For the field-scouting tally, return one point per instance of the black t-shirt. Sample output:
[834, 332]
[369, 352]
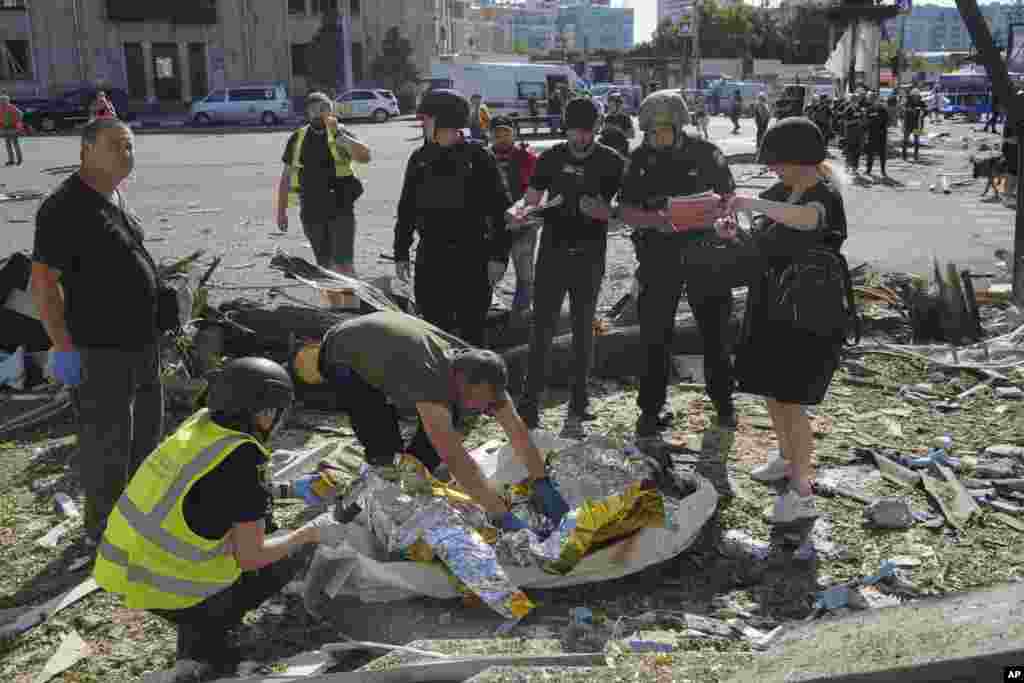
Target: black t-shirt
[232, 493]
[656, 175]
[317, 178]
[831, 232]
[561, 173]
[109, 279]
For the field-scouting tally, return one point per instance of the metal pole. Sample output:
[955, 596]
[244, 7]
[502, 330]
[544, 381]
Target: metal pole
[899, 54]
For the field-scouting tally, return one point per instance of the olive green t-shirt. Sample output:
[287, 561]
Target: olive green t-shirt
[406, 358]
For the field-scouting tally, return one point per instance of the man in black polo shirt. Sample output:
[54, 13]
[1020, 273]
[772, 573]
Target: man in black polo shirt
[95, 286]
[571, 260]
[671, 163]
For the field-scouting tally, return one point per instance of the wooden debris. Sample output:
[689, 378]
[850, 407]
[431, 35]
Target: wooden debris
[42, 613]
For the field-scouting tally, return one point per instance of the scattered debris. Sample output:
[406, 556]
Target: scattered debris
[890, 513]
[1006, 451]
[41, 613]
[72, 649]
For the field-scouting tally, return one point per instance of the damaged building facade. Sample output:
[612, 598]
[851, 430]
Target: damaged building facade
[176, 50]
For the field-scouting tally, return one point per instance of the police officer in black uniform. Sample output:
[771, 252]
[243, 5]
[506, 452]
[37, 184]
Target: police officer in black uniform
[671, 163]
[455, 198]
[571, 260]
[877, 133]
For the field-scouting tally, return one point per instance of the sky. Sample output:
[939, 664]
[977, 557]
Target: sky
[645, 18]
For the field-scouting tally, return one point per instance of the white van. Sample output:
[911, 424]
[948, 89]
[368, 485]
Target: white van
[506, 88]
[265, 103]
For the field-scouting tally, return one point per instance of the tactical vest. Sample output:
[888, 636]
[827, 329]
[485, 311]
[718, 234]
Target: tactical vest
[342, 161]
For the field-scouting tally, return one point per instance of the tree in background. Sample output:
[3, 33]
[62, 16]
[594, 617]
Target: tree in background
[394, 66]
[805, 36]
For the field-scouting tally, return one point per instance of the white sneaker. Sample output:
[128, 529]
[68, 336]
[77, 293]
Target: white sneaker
[771, 471]
[791, 507]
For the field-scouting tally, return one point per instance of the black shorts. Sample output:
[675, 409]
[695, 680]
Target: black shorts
[333, 241]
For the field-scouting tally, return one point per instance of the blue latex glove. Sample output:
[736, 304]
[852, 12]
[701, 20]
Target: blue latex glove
[303, 487]
[67, 367]
[510, 522]
[549, 500]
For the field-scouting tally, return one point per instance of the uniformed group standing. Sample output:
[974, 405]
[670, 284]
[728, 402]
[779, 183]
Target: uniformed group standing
[174, 544]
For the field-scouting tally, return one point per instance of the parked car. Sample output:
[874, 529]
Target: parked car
[368, 104]
[265, 103]
[390, 95]
[69, 109]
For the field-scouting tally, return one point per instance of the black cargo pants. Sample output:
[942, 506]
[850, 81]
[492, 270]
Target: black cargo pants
[662, 275]
[578, 272]
[451, 288]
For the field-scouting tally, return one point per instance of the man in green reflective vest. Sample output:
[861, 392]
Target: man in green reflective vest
[318, 174]
[188, 538]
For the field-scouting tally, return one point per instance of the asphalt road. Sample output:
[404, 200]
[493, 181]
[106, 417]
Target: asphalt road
[216, 192]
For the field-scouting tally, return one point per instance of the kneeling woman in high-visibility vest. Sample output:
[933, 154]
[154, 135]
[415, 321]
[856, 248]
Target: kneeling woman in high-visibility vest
[187, 539]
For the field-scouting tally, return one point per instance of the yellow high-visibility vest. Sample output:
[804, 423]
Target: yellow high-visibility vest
[148, 553]
[342, 161]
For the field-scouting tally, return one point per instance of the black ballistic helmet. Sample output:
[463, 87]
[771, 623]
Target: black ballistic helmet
[793, 140]
[247, 386]
[581, 113]
[448, 108]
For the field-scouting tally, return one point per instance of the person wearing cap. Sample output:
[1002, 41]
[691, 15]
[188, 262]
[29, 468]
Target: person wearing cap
[454, 197]
[762, 116]
[318, 174]
[189, 537]
[479, 122]
[671, 163]
[516, 163]
[618, 129]
[571, 259]
[379, 361]
[788, 352]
